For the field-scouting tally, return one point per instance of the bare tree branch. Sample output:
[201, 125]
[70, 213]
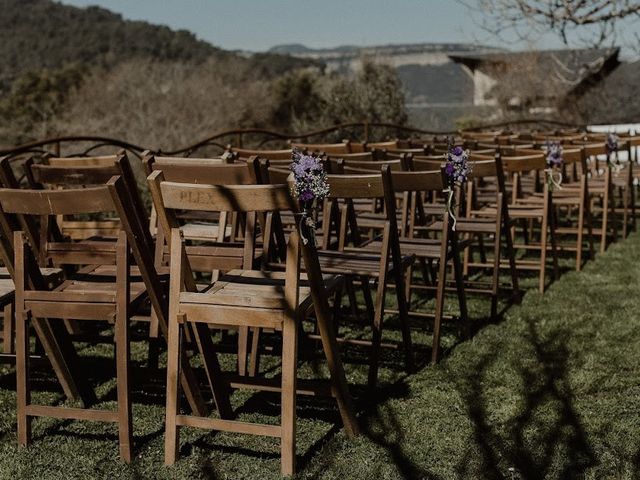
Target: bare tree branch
[596, 18]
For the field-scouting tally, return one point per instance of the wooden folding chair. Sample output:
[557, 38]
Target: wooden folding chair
[489, 173]
[219, 227]
[524, 211]
[572, 203]
[442, 250]
[245, 298]
[366, 266]
[81, 296]
[52, 338]
[600, 186]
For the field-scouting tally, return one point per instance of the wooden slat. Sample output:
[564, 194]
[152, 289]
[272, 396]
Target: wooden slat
[230, 315]
[72, 310]
[183, 196]
[304, 387]
[229, 426]
[72, 413]
[56, 202]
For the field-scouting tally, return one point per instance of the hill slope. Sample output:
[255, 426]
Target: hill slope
[38, 34]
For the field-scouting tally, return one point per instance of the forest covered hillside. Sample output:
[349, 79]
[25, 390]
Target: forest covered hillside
[69, 70]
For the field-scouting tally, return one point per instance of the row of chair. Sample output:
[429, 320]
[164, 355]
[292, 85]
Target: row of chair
[221, 251]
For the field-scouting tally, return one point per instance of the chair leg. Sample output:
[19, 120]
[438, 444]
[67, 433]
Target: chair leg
[632, 196]
[22, 380]
[254, 355]
[403, 313]
[9, 328]
[625, 212]
[580, 240]
[466, 258]
[243, 349]
[172, 432]
[351, 293]
[589, 217]
[366, 292]
[605, 223]
[543, 253]
[614, 217]
[512, 263]
[407, 285]
[483, 253]
[289, 374]
[123, 385]
[459, 279]
[554, 244]
[374, 358]
[437, 321]
[153, 353]
[495, 280]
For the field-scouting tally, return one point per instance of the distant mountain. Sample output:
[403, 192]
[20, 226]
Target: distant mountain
[290, 49]
[297, 49]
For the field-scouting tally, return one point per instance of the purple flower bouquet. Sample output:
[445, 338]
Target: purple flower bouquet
[310, 187]
[457, 169]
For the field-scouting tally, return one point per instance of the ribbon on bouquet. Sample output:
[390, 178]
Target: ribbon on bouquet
[552, 178]
[615, 166]
[449, 192]
[306, 222]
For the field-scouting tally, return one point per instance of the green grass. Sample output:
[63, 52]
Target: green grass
[551, 391]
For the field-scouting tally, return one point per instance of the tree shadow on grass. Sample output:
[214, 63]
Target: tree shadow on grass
[385, 429]
[545, 439]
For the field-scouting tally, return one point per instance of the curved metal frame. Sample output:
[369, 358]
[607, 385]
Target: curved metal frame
[33, 147]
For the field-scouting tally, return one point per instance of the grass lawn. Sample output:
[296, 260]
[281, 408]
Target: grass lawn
[551, 391]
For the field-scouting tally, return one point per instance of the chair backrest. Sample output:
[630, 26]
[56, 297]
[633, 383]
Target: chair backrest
[328, 148]
[356, 186]
[76, 202]
[171, 198]
[395, 165]
[205, 171]
[47, 203]
[524, 163]
[357, 147]
[571, 155]
[241, 198]
[417, 181]
[60, 172]
[149, 158]
[518, 165]
[592, 149]
[219, 226]
[85, 171]
[484, 168]
[269, 154]
[425, 164]
[515, 150]
[60, 176]
[99, 161]
[413, 151]
[359, 156]
[391, 144]
[277, 175]
[414, 186]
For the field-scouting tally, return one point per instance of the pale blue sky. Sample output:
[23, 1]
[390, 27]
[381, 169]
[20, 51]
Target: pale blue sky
[259, 24]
